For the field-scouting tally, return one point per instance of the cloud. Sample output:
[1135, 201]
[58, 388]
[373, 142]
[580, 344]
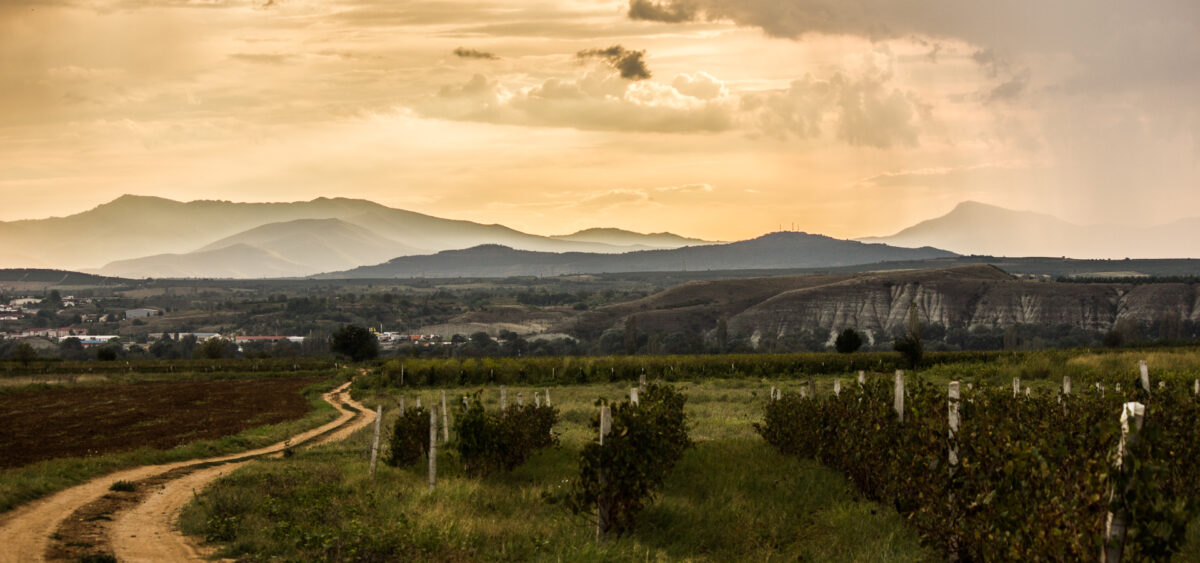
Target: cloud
[631, 64]
[699, 85]
[671, 12]
[865, 108]
[1010, 89]
[594, 101]
[474, 54]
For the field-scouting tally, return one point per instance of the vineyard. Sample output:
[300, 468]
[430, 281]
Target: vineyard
[986, 472]
[972, 458]
[701, 496]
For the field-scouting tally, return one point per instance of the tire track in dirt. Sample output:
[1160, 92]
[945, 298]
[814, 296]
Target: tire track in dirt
[28, 532]
[148, 532]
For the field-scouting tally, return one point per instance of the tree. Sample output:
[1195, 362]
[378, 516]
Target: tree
[216, 348]
[354, 342]
[848, 341]
[53, 299]
[910, 344]
[71, 349]
[24, 353]
[631, 335]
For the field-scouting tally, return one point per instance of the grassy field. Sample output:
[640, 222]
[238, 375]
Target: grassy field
[731, 498]
[23, 484]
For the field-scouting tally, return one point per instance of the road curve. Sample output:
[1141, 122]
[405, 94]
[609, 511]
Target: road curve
[25, 532]
[148, 532]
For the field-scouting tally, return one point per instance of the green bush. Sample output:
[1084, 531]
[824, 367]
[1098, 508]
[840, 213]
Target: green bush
[410, 437]
[620, 477]
[488, 442]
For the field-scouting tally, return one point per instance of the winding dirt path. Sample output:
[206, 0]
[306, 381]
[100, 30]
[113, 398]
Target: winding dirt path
[145, 531]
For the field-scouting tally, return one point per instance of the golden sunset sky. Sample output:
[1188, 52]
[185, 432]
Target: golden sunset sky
[720, 119]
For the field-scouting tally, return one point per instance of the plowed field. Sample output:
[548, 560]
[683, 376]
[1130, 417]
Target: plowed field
[85, 421]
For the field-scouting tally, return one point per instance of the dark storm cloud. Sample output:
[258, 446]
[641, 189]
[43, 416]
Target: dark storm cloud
[631, 64]
[474, 54]
[673, 12]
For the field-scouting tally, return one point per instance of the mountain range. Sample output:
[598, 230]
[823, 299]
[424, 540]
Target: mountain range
[773, 251]
[979, 228]
[141, 236]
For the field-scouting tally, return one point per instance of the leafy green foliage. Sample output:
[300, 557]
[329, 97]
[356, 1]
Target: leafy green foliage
[645, 442]
[410, 437]
[354, 342]
[487, 442]
[1034, 475]
[848, 341]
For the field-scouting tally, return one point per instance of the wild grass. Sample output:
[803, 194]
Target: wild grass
[23, 484]
[730, 499]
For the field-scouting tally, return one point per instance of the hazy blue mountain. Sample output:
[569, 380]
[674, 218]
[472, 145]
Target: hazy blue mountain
[621, 237]
[237, 261]
[777, 250]
[978, 228]
[132, 227]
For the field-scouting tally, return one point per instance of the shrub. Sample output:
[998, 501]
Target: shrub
[488, 442]
[620, 477]
[410, 437]
[848, 341]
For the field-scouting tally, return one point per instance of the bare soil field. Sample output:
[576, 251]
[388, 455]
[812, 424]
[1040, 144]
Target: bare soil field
[43, 424]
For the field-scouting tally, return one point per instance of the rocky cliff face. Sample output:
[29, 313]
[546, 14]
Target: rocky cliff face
[970, 297]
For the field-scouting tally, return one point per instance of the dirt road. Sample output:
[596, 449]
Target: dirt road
[145, 531]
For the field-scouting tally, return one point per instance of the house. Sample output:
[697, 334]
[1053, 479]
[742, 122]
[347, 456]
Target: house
[24, 301]
[140, 313]
[97, 340]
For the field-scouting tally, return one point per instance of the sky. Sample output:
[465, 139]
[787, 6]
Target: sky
[718, 119]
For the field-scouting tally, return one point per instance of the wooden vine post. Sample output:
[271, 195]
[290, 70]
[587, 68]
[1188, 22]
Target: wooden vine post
[862, 378]
[602, 505]
[837, 387]
[1066, 385]
[1132, 415]
[633, 395]
[503, 399]
[952, 456]
[432, 448]
[1016, 386]
[445, 419]
[898, 399]
[1144, 375]
[547, 397]
[375, 439]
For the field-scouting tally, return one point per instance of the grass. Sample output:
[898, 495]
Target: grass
[731, 498]
[23, 484]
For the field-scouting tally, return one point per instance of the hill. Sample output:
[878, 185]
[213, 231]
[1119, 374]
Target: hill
[965, 298]
[978, 228]
[299, 248]
[619, 237]
[237, 261]
[131, 227]
[777, 250]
